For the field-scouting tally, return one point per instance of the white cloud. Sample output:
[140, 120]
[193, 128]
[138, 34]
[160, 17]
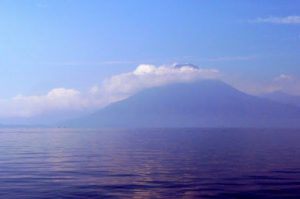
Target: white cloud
[280, 20]
[283, 77]
[123, 85]
[55, 100]
[146, 76]
[110, 90]
[283, 82]
[286, 83]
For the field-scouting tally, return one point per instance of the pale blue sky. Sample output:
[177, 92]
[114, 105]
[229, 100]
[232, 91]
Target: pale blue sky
[47, 44]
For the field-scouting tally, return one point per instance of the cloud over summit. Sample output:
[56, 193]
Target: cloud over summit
[119, 87]
[147, 76]
[112, 89]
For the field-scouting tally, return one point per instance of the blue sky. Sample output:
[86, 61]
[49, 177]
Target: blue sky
[76, 44]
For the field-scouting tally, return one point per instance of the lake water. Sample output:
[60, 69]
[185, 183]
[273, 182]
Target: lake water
[149, 163]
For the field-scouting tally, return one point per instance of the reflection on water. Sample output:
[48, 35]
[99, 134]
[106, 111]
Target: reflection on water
[149, 163]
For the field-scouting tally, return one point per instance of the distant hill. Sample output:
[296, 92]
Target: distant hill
[282, 97]
[207, 103]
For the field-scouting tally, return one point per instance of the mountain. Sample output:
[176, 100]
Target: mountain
[207, 103]
[282, 97]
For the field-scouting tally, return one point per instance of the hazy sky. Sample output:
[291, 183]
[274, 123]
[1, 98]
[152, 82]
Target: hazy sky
[77, 44]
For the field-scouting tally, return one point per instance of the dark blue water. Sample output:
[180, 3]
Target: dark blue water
[149, 163]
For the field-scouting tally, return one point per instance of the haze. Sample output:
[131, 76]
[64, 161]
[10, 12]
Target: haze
[62, 58]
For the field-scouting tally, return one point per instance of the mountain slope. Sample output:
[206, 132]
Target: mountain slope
[283, 98]
[206, 103]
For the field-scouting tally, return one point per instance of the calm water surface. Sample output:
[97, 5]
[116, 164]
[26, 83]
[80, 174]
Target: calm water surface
[149, 163]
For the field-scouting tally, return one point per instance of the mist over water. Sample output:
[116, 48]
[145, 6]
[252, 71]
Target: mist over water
[149, 163]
